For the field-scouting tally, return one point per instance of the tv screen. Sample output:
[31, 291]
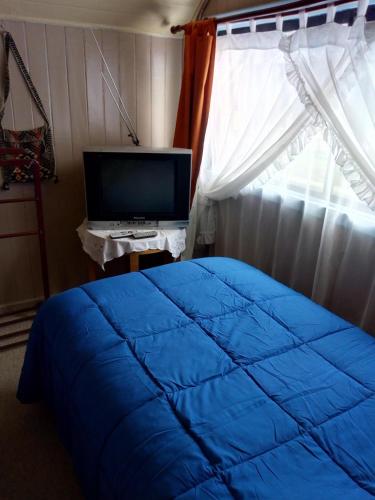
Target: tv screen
[137, 186]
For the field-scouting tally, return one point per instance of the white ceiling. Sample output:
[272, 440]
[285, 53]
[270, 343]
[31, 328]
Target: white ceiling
[145, 16]
[148, 16]
[220, 6]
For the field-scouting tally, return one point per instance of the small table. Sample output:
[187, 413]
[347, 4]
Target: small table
[101, 248]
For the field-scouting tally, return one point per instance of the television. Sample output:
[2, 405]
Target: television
[137, 187]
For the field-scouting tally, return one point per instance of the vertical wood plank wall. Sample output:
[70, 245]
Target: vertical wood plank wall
[65, 66]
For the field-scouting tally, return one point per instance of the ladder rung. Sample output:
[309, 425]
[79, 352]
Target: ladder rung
[17, 333]
[17, 200]
[19, 311]
[36, 168]
[14, 321]
[16, 235]
[12, 345]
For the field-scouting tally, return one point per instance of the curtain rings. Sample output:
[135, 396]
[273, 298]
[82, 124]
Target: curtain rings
[302, 19]
[362, 7]
[279, 22]
[252, 25]
[331, 12]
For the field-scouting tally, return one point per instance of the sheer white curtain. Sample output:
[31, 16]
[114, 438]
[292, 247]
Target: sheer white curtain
[255, 115]
[308, 229]
[333, 70]
[257, 124]
[274, 96]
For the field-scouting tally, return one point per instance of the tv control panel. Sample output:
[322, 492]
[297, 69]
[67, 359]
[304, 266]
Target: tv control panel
[136, 224]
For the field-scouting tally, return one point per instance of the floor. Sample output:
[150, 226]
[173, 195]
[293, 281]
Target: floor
[33, 463]
[15, 327]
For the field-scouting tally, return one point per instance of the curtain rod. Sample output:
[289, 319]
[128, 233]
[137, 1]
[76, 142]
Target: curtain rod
[290, 8]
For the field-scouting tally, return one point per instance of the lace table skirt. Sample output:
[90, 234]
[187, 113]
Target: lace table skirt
[101, 248]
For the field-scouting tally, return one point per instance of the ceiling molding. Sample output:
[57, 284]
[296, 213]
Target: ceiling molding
[72, 24]
[154, 17]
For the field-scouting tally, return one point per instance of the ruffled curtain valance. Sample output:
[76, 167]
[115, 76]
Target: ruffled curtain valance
[271, 93]
[333, 70]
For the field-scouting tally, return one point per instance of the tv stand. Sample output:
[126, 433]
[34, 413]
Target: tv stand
[102, 249]
[94, 270]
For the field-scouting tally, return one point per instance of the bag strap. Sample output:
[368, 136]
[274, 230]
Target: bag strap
[5, 80]
[11, 45]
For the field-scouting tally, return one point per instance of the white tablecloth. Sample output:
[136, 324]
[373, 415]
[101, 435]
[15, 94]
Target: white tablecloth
[101, 248]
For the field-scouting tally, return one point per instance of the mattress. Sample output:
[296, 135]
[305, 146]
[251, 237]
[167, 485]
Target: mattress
[205, 379]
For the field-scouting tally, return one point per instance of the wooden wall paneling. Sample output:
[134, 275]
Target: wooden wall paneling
[35, 38]
[76, 71]
[57, 197]
[174, 58]
[22, 105]
[29, 267]
[158, 98]
[8, 121]
[60, 98]
[128, 83]
[17, 116]
[143, 71]
[65, 67]
[94, 85]
[111, 48]
[9, 246]
[23, 269]
[38, 67]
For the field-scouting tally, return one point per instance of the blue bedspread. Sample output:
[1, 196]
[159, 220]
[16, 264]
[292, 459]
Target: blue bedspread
[209, 380]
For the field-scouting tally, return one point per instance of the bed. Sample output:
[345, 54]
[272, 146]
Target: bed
[205, 379]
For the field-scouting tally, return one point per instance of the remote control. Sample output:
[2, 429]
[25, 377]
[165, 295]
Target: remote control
[120, 234]
[144, 234]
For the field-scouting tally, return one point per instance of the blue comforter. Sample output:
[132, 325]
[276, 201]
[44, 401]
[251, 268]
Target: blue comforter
[209, 380]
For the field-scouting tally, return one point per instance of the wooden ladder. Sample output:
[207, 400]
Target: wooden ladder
[9, 340]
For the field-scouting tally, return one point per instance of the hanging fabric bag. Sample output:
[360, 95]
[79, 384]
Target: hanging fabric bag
[35, 144]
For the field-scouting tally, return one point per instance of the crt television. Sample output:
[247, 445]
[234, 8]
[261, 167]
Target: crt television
[137, 187]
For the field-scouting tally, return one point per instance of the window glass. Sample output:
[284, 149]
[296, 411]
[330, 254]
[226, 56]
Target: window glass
[314, 176]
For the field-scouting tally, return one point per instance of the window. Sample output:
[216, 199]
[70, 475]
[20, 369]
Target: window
[315, 177]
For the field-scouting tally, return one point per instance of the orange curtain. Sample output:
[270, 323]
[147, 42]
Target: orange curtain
[194, 105]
